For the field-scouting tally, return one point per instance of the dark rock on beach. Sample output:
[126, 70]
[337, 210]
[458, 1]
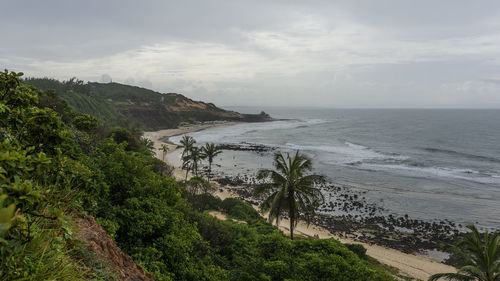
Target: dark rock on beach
[244, 146]
[346, 213]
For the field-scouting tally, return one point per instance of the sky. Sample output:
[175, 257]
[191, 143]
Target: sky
[354, 54]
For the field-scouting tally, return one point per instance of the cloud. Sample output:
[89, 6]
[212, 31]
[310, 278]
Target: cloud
[342, 53]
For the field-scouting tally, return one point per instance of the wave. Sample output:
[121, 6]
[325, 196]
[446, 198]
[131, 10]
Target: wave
[463, 154]
[455, 173]
[362, 157]
[226, 134]
[349, 154]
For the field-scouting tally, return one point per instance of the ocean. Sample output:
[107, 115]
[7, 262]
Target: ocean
[431, 164]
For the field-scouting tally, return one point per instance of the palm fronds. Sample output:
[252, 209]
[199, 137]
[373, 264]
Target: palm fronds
[482, 255]
[289, 189]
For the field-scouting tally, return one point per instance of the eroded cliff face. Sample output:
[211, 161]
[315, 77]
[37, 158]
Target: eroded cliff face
[99, 242]
[122, 105]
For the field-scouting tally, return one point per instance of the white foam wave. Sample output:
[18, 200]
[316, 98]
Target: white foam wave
[456, 173]
[362, 156]
[345, 154]
[225, 134]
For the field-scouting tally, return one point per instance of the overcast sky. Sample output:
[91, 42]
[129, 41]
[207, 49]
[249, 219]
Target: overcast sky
[283, 52]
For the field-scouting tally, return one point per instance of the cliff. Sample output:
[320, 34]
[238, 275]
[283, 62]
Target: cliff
[116, 104]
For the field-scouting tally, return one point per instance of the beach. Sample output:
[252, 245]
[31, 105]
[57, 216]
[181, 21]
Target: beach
[409, 265]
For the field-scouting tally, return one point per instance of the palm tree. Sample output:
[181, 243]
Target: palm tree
[209, 151]
[290, 189]
[187, 142]
[191, 160]
[148, 143]
[482, 254]
[196, 156]
[164, 149]
[186, 164]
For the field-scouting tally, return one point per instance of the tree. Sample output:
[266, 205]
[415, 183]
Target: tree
[209, 151]
[289, 189]
[186, 164]
[482, 256]
[149, 144]
[187, 143]
[191, 160]
[196, 185]
[85, 122]
[194, 157]
[164, 149]
[120, 135]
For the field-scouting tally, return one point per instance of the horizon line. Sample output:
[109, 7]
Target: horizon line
[327, 107]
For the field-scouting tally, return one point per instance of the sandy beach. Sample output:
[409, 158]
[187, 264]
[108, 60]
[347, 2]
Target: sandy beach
[409, 265]
[161, 137]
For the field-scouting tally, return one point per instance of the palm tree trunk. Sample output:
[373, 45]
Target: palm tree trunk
[209, 169]
[291, 213]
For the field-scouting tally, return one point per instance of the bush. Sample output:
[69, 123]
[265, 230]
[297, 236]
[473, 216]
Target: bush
[85, 122]
[358, 249]
[204, 202]
[239, 209]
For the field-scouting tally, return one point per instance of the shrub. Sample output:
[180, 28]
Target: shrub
[239, 209]
[358, 249]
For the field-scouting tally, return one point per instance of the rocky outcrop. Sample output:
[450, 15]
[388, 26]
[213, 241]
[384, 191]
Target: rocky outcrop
[99, 242]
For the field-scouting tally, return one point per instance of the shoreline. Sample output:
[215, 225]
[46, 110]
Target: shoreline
[161, 137]
[409, 265]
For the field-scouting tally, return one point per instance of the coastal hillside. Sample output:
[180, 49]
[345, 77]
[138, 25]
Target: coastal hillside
[60, 169]
[117, 104]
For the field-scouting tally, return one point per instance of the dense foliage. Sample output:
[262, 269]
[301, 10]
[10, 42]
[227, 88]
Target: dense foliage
[40, 180]
[130, 107]
[56, 163]
[479, 257]
[80, 97]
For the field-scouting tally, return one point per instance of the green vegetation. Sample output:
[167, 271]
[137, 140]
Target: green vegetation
[479, 256]
[290, 190]
[193, 155]
[40, 182]
[164, 151]
[79, 96]
[133, 107]
[56, 164]
[209, 152]
[187, 143]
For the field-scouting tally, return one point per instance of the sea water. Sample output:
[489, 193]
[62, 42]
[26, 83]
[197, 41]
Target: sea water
[429, 163]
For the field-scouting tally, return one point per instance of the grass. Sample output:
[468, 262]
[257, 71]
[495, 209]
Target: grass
[45, 257]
